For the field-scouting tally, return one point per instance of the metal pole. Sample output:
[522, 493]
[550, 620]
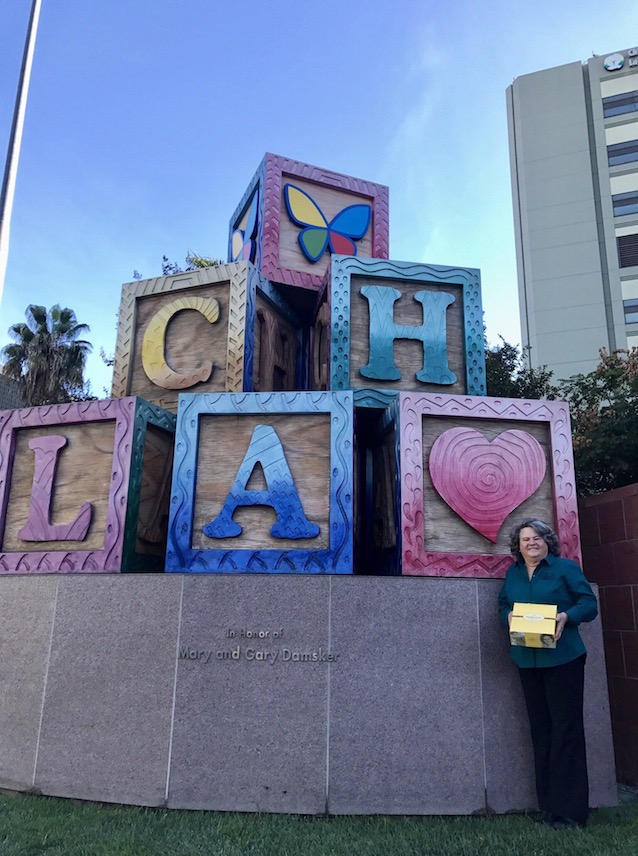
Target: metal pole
[15, 139]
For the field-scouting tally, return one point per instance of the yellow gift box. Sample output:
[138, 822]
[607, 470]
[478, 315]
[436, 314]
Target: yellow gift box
[533, 625]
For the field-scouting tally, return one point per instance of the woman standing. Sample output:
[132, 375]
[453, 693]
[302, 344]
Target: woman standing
[552, 678]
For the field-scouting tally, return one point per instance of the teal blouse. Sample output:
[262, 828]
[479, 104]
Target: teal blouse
[558, 581]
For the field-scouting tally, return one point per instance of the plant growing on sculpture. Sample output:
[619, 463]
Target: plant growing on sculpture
[47, 356]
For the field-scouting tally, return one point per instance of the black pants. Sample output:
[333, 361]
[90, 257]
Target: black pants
[554, 699]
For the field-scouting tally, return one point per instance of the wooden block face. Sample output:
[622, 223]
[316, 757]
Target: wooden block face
[329, 201]
[471, 469]
[402, 326]
[376, 517]
[194, 348]
[276, 350]
[83, 474]
[263, 484]
[306, 442]
[189, 332]
[155, 492]
[84, 488]
[407, 353]
[348, 215]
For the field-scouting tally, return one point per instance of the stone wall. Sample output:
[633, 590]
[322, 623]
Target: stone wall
[303, 694]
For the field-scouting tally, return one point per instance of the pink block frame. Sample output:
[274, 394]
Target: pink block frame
[273, 168]
[416, 559]
[109, 559]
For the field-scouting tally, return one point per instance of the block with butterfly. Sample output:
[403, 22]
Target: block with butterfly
[293, 216]
[85, 487]
[473, 467]
[217, 329]
[402, 326]
[263, 483]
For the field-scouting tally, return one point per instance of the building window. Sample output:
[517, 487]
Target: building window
[616, 105]
[631, 311]
[625, 203]
[622, 153]
[627, 250]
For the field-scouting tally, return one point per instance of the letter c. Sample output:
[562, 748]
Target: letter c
[153, 344]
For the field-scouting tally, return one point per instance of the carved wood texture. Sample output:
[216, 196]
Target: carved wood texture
[271, 171]
[236, 332]
[483, 481]
[131, 417]
[335, 556]
[78, 560]
[470, 332]
[417, 559]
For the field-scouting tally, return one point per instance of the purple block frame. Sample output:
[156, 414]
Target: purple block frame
[109, 559]
[269, 180]
[416, 560]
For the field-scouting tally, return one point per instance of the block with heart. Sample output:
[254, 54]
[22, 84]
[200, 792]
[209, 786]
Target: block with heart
[473, 467]
[293, 216]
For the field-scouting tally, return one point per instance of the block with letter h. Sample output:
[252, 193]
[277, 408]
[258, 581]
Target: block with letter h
[403, 326]
[293, 216]
[216, 329]
[84, 488]
[263, 483]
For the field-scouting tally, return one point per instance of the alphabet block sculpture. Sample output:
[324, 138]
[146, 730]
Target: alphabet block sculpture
[293, 216]
[404, 326]
[217, 329]
[263, 483]
[473, 467]
[84, 488]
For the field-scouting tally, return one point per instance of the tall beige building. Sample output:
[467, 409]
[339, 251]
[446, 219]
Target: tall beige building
[573, 133]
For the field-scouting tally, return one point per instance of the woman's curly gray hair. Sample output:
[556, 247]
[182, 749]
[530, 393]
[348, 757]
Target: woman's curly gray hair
[541, 528]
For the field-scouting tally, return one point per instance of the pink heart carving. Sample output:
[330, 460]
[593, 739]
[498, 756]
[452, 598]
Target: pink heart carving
[484, 481]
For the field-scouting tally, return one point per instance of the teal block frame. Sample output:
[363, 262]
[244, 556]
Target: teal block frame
[337, 558]
[339, 284]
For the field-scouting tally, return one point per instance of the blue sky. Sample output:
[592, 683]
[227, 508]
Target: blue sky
[146, 121]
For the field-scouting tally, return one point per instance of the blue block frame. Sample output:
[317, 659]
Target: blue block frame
[336, 559]
[345, 267]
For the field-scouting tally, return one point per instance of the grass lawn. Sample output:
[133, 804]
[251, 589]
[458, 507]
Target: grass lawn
[30, 826]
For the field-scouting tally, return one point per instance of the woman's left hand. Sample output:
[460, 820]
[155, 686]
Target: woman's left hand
[561, 620]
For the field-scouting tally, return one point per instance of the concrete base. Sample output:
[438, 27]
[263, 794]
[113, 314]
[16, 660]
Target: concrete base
[302, 694]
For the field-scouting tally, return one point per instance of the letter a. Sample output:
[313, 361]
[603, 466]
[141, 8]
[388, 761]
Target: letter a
[38, 527]
[265, 448]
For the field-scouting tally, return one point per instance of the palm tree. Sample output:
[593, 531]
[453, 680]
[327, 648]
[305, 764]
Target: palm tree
[47, 357]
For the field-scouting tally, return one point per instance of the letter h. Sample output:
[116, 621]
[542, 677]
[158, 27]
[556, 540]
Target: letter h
[383, 332]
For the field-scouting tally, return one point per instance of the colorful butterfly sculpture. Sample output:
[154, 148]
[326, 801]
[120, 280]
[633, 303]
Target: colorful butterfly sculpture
[243, 240]
[339, 234]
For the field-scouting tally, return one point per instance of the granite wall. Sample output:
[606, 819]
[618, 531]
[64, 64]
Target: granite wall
[302, 694]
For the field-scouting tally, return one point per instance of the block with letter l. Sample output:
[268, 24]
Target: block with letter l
[84, 487]
[263, 483]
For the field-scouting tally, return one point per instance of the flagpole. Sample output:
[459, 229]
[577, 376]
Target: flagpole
[15, 140]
